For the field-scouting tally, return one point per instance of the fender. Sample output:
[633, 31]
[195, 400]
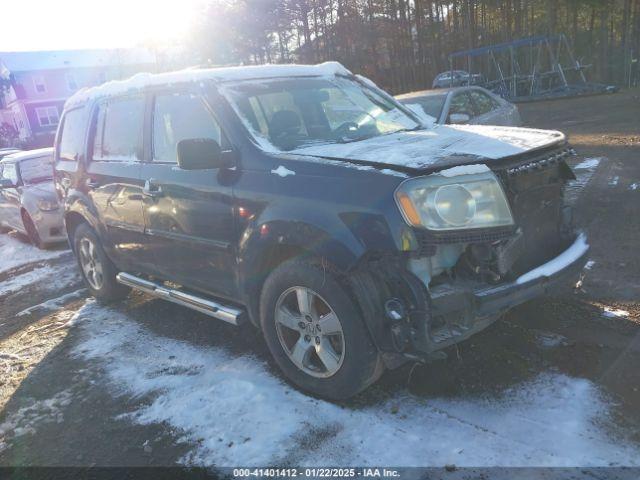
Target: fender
[76, 202]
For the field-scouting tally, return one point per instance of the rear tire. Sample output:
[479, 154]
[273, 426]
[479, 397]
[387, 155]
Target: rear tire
[316, 333]
[32, 231]
[98, 272]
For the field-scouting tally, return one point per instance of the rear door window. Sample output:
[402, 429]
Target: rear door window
[181, 116]
[483, 103]
[118, 134]
[71, 145]
[461, 103]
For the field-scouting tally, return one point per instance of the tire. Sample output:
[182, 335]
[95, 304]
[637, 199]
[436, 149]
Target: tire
[32, 231]
[102, 282]
[354, 364]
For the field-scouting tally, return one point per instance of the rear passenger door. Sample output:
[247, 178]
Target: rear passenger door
[188, 214]
[113, 180]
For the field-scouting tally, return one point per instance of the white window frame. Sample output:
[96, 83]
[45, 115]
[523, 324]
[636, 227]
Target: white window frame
[39, 80]
[44, 112]
[70, 78]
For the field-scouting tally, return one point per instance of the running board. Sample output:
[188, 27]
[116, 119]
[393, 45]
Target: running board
[232, 315]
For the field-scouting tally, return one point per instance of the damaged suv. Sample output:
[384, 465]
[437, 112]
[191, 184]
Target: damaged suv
[306, 201]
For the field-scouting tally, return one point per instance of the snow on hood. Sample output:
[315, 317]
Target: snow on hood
[428, 148]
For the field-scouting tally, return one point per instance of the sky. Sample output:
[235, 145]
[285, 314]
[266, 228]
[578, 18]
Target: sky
[74, 24]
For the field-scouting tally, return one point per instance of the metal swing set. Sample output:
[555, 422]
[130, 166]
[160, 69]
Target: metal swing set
[528, 69]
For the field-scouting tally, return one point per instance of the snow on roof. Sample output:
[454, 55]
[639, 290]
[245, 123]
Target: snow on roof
[222, 74]
[59, 59]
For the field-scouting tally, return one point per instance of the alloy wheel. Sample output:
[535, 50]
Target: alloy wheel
[90, 263]
[310, 332]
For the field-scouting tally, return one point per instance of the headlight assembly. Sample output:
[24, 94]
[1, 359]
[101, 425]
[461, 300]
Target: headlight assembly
[47, 205]
[440, 202]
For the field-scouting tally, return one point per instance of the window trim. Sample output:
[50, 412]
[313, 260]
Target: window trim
[95, 112]
[35, 79]
[224, 138]
[46, 109]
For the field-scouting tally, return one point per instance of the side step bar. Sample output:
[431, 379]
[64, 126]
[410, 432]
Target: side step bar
[229, 314]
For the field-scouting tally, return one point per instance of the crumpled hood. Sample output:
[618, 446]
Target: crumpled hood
[42, 190]
[439, 146]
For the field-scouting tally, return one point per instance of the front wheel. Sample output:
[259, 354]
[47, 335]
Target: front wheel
[316, 333]
[98, 271]
[32, 231]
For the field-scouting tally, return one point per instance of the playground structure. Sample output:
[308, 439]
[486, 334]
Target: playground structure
[528, 69]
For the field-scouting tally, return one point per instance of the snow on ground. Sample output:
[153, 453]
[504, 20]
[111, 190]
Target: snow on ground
[583, 172]
[51, 278]
[26, 419]
[14, 253]
[53, 303]
[614, 312]
[233, 411]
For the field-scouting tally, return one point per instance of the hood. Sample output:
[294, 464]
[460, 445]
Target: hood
[43, 189]
[439, 147]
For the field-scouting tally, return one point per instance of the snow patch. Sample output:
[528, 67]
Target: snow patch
[615, 313]
[16, 253]
[202, 392]
[53, 303]
[551, 340]
[589, 265]
[566, 258]
[464, 170]
[588, 164]
[425, 148]
[614, 181]
[283, 171]
[634, 186]
[141, 81]
[26, 419]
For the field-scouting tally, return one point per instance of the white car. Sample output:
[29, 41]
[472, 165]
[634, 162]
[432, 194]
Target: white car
[28, 201]
[462, 105]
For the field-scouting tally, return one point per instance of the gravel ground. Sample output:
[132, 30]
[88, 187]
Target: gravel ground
[148, 383]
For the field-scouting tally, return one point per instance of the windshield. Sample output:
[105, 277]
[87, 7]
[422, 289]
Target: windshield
[290, 114]
[35, 170]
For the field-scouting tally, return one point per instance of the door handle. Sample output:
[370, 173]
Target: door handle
[151, 189]
[93, 184]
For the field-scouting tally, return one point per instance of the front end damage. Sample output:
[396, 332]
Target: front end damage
[452, 285]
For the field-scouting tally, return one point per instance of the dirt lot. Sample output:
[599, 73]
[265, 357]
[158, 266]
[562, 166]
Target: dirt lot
[148, 383]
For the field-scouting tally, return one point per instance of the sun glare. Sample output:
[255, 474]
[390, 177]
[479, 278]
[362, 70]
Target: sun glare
[71, 24]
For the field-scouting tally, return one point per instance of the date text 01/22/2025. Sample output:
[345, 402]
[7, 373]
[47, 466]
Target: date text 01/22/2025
[316, 472]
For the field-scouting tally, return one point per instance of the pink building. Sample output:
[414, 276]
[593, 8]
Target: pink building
[40, 82]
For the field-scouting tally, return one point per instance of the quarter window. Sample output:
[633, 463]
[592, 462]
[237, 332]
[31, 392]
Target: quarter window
[119, 130]
[47, 116]
[178, 117]
[71, 144]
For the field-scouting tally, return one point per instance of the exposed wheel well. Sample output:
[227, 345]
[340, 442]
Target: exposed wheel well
[270, 260]
[71, 222]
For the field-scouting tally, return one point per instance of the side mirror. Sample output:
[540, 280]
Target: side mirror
[459, 118]
[6, 183]
[199, 154]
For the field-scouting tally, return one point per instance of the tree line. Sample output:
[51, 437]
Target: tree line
[403, 44]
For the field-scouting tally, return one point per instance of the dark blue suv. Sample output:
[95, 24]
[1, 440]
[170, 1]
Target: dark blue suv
[308, 202]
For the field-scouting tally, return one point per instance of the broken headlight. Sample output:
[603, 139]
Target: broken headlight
[443, 202]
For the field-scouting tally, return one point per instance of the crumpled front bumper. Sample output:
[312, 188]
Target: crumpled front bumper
[464, 311]
[539, 281]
